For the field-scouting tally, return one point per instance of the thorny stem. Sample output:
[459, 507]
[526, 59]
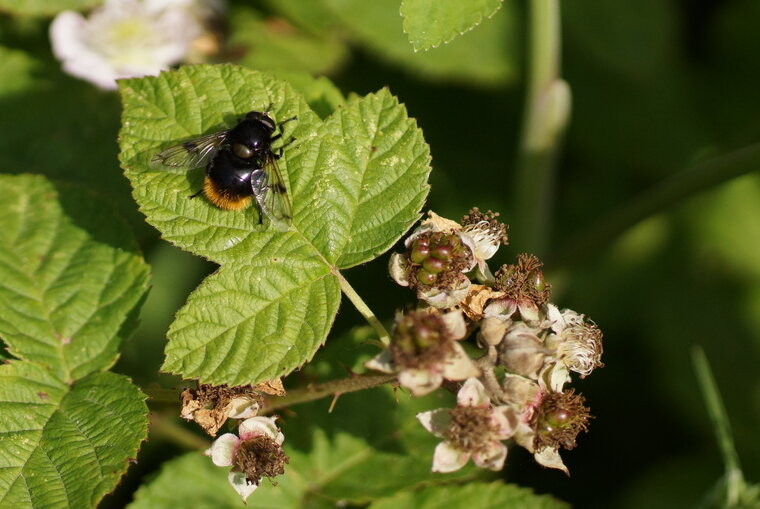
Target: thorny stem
[335, 387]
[547, 110]
[734, 478]
[362, 307]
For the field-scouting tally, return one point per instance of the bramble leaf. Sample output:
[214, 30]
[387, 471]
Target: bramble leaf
[356, 180]
[71, 282]
[65, 445]
[432, 22]
[481, 495]
[487, 55]
[70, 276]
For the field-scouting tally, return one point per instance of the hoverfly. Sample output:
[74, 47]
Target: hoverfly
[240, 164]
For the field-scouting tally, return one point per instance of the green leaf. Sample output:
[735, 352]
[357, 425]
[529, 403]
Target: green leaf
[255, 321]
[65, 445]
[16, 71]
[356, 181]
[190, 480]
[44, 7]
[273, 44]
[485, 56]
[481, 495]
[432, 22]
[70, 276]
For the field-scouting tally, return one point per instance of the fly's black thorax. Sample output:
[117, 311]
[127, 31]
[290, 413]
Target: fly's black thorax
[254, 134]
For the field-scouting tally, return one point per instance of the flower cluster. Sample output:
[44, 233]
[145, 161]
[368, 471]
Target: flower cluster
[256, 451]
[529, 347]
[130, 38]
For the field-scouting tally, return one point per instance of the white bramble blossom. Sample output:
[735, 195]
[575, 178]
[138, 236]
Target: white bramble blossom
[225, 450]
[473, 429]
[125, 38]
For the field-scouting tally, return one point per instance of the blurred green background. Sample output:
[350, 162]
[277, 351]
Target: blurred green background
[657, 86]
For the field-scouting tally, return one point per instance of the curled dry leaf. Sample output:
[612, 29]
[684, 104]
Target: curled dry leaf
[476, 300]
[210, 406]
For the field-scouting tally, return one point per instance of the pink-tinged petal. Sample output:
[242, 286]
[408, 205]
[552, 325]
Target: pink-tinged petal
[502, 309]
[436, 421]
[398, 266]
[241, 484]
[420, 381]
[455, 324]
[222, 451]
[382, 362]
[492, 458]
[529, 311]
[473, 393]
[260, 426]
[504, 422]
[242, 408]
[458, 365]
[550, 458]
[448, 459]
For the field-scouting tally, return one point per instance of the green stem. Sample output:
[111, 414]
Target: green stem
[547, 110]
[362, 307]
[734, 478]
[166, 427]
[332, 388]
[681, 185]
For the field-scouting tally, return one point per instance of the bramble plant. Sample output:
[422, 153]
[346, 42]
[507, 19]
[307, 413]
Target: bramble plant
[357, 180]
[364, 350]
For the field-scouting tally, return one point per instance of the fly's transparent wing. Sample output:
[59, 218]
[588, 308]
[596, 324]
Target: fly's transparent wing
[271, 194]
[190, 154]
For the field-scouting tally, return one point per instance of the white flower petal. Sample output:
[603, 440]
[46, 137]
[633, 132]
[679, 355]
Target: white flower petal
[382, 362]
[493, 458]
[436, 421]
[448, 459]
[550, 458]
[122, 38]
[504, 422]
[241, 484]
[446, 299]
[223, 450]
[260, 426]
[555, 318]
[455, 323]
[458, 365]
[420, 381]
[398, 266]
[242, 408]
[555, 376]
[473, 393]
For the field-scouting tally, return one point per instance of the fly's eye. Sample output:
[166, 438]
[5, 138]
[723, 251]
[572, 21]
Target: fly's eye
[241, 151]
